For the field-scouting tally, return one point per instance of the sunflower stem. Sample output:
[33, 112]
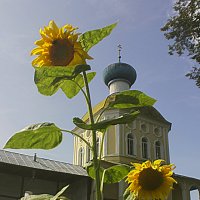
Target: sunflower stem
[101, 147]
[77, 135]
[85, 95]
[95, 159]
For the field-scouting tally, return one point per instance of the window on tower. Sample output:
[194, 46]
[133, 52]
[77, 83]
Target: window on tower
[145, 148]
[81, 156]
[158, 149]
[130, 144]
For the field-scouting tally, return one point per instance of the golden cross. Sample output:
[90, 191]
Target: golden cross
[119, 52]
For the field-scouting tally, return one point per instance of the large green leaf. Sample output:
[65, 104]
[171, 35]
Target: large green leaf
[129, 99]
[70, 87]
[112, 174]
[116, 173]
[50, 79]
[124, 119]
[37, 136]
[91, 38]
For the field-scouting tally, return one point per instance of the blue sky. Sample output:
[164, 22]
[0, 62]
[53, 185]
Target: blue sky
[144, 47]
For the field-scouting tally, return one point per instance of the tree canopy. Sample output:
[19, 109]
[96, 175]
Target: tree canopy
[184, 29]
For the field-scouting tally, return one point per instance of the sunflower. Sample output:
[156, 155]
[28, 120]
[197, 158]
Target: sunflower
[151, 181]
[59, 47]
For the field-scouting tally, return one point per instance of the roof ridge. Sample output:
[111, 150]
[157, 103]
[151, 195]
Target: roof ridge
[6, 151]
[25, 160]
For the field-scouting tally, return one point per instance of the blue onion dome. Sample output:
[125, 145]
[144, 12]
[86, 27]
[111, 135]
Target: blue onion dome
[119, 71]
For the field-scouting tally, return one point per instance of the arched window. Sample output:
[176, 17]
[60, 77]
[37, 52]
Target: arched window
[130, 144]
[158, 149]
[144, 148]
[88, 154]
[81, 156]
[98, 145]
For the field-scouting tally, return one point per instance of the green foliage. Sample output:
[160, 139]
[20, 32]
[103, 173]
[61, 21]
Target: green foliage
[91, 170]
[91, 38]
[195, 75]
[128, 99]
[47, 196]
[126, 118]
[128, 195]
[112, 174]
[38, 197]
[50, 79]
[43, 197]
[37, 136]
[184, 29]
[59, 193]
[70, 87]
[116, 173]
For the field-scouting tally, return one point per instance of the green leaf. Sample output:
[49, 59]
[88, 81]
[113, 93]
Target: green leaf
[91, 38]
[38, 197]
[128, 99]
[128, 195]
[112, 174]
[126, 118]
[38, 136]
[50, 79]
[47, 196]
[70, 87]
[89, 75]
[116, 173]
[91, 171]
[59, 193]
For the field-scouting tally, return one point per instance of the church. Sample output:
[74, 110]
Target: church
[146, 138]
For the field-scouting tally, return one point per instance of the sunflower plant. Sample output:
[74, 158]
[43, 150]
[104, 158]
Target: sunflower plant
[61, 63]
[150, 180]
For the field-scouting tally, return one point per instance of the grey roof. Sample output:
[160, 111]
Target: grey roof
[40, 163]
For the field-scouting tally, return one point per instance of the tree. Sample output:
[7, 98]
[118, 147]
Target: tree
[184, 29]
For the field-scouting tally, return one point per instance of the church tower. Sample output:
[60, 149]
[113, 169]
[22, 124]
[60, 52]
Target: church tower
[144, 138]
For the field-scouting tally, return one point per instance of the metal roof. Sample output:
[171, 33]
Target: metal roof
[40, 163]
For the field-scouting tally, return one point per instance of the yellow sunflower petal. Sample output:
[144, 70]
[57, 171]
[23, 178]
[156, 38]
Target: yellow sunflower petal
[61, 33]
[47, 31]
[146, 164]
[37, 51]
[45, 38]
[137, 166]
[77, 59]
[158, 162]
[172, 180]
[39, 42]
[53, 26]
[83, 53]
[36, 61]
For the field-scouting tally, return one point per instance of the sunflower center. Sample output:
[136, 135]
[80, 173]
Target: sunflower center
[150, 179]
[61, 52]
